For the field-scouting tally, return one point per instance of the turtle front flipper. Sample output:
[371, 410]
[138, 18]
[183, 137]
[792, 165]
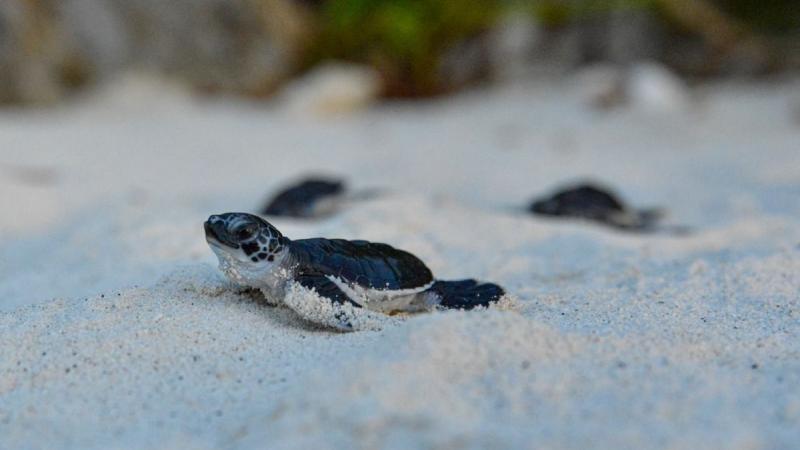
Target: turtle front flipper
[465, 294]
[317, 299]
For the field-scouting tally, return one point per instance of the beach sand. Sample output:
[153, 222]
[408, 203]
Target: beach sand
[118, 331]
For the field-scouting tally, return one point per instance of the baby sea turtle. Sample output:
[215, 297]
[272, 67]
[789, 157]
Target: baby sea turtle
[587, 201]
[312, 197]
[334, 282]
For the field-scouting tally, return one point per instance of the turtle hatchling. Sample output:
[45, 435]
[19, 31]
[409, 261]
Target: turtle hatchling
[312, 197]
[334, 282]
[587, 201]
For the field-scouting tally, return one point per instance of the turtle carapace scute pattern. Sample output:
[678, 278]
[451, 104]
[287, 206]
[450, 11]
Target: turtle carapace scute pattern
[370, 265]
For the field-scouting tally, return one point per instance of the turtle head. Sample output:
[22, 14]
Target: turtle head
[248, 247]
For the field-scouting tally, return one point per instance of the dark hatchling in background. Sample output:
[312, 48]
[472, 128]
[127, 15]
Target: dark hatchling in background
[591, 202]
[309, 198]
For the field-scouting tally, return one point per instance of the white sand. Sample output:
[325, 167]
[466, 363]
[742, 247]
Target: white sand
[118, 332]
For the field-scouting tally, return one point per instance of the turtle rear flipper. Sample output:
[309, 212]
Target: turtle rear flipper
[649, 218]
[634, 220]
[465, 294]
[652, 220]
[642, 220]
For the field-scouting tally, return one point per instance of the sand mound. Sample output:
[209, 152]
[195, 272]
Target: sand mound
[117, 331]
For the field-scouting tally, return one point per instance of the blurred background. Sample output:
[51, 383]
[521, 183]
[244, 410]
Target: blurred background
[125, 123]
[51, 49]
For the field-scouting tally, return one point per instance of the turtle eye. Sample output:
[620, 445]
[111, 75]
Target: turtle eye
[246, 232]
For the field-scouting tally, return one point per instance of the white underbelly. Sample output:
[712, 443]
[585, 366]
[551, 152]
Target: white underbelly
[386, 301]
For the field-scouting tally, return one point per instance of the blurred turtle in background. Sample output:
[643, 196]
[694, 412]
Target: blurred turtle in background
[591, 202]
[309, 198]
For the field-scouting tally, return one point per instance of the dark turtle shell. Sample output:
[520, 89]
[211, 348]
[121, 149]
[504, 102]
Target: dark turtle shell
[587, 201]
[299, 200]
[590, 202]
[367, 264]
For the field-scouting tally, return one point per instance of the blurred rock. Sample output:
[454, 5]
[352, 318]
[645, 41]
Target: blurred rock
[512, 43]
[648, 86]
[333, 89]
[619, 36]
[654, 87]
[140, 90]
[556, 49]
[48, 47]
[101, 33]
[633, 35]
[603, 86]
[245, 46]
[36, 59]
[747, 58]
[465, 63]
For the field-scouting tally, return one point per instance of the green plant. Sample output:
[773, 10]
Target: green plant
[403, 39]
